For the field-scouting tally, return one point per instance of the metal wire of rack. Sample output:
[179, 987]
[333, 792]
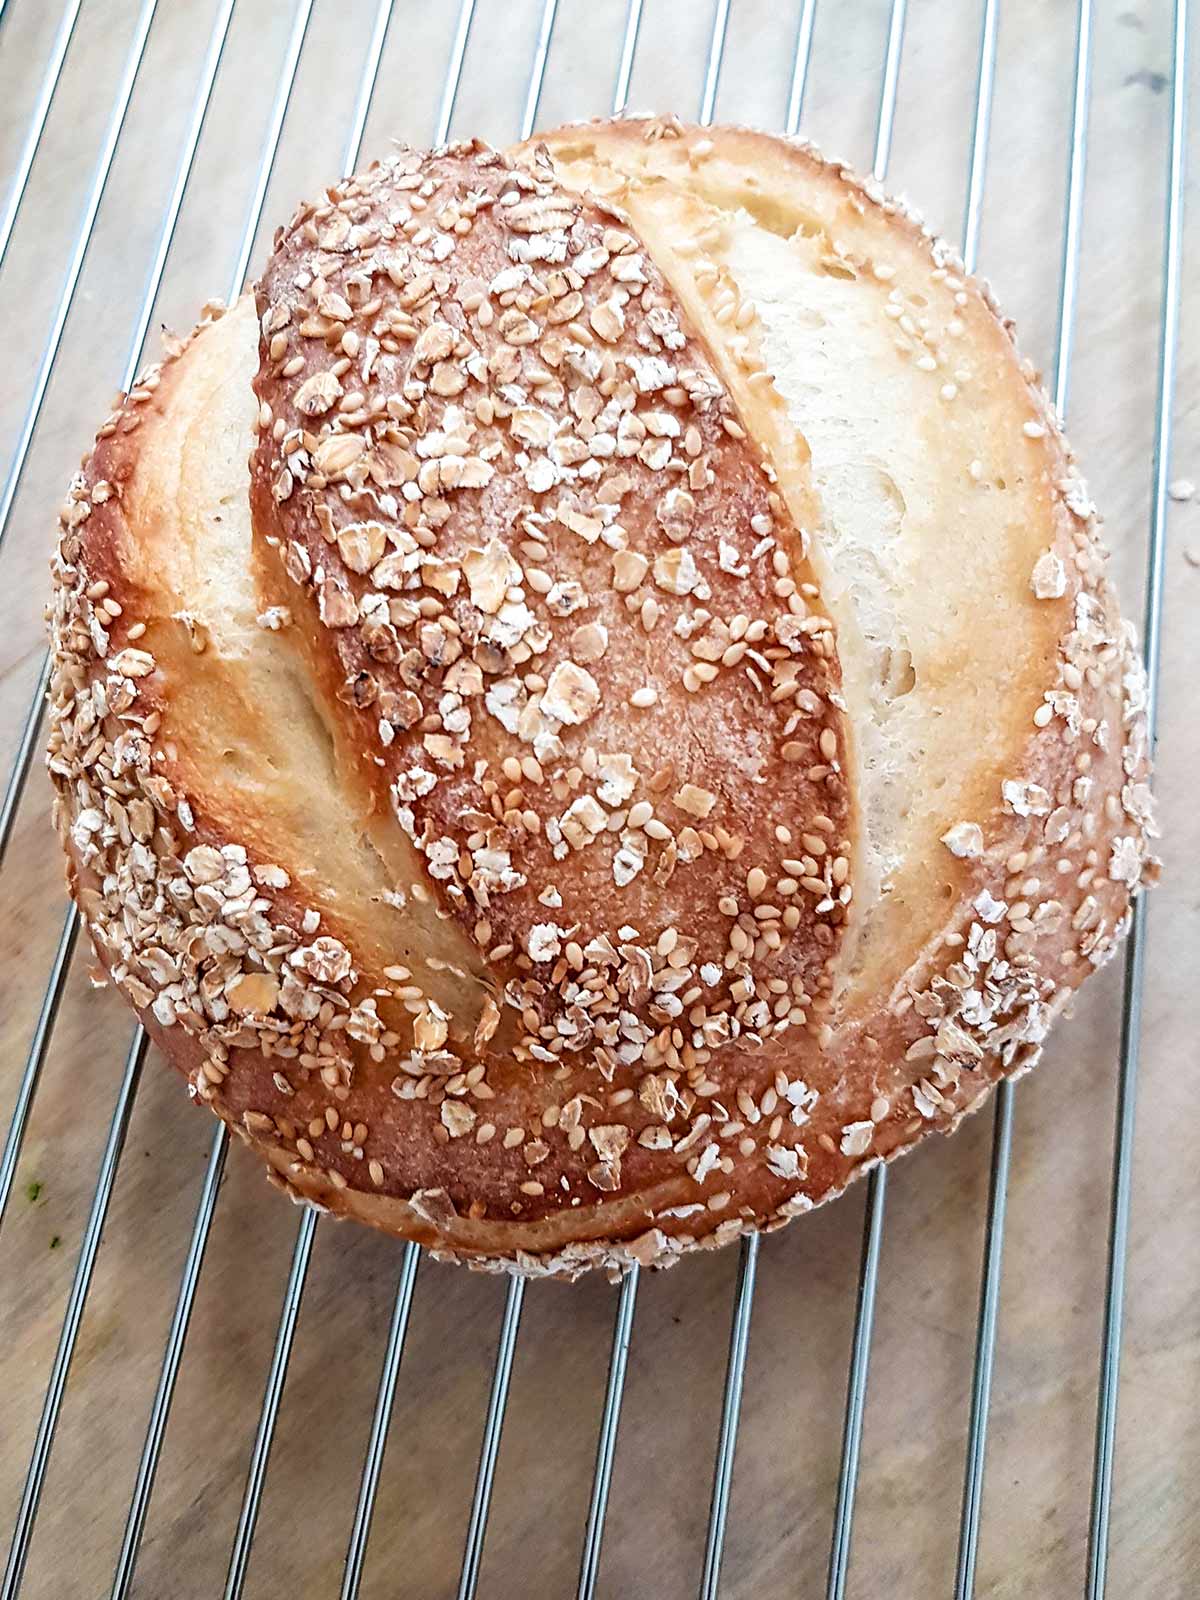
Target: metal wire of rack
[409, 1259]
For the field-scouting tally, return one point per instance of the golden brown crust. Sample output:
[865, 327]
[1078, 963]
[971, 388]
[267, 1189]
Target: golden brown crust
[548, 513]
[340, 1033]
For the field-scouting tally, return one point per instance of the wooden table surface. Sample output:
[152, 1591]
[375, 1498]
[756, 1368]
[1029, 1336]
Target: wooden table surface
[1039, 1462]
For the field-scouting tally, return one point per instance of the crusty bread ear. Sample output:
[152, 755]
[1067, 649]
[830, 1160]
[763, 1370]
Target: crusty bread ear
[648, 734]
[942, 478]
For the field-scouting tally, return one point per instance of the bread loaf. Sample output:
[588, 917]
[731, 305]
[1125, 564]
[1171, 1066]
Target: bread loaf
[587, 710]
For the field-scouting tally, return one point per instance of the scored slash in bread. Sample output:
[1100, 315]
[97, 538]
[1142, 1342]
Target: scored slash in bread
[648, 736]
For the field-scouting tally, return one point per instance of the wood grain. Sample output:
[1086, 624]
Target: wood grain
[1038, 1478]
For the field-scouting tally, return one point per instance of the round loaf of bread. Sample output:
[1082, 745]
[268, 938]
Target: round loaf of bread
[588, 711]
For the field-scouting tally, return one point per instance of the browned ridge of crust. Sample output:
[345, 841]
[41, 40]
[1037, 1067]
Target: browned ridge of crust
[545, 568]
[516, 928]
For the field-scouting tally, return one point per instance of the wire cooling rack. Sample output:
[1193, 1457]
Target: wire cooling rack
[293, 102]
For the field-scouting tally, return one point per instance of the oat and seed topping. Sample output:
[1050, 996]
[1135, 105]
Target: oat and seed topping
[507, 480]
